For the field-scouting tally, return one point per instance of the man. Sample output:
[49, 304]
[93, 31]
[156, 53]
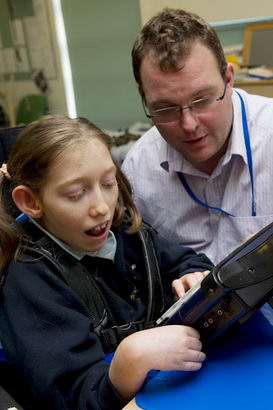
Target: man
[203, 175]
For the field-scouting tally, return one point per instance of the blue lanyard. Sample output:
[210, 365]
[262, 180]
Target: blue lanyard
[250, 168]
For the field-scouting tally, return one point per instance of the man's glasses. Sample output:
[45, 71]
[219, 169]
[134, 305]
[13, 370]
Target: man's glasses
[172, 114]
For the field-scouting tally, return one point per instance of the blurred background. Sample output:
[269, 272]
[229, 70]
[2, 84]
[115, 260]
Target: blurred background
[74, 57]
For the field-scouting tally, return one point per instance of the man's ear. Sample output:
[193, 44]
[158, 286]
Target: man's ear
[27, 201]
[141, 92]
[230, 75]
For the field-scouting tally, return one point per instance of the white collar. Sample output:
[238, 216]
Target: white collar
[108, 250]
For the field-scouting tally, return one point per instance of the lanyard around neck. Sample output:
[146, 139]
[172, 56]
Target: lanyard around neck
[250, 169]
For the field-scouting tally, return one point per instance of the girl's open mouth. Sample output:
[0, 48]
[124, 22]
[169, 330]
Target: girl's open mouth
[98, 230]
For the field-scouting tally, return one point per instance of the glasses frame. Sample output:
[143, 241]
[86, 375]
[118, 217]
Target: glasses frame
[178, 107]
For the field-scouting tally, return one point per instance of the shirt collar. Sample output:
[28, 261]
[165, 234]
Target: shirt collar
[108, 251]
[172, 160]
[237, 141]
[169, 158]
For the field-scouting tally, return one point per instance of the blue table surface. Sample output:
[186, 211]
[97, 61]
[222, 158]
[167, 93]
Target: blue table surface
[237, 374]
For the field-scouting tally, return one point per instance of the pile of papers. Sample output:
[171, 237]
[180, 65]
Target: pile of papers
[260, 72]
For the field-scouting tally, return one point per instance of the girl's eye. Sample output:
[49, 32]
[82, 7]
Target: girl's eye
[110, 184]
[76, 197]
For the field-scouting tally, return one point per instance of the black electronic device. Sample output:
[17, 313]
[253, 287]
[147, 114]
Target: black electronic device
[233, 290]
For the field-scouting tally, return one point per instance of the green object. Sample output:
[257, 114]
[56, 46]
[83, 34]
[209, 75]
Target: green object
[30, 108]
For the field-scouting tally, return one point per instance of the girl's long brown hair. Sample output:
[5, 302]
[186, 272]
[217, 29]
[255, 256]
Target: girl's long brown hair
[33, 153]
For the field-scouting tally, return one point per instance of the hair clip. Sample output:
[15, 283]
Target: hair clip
[20, 219]
[5, 172]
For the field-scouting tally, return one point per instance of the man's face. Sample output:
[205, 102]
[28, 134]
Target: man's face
[80, 196]
[200, 137]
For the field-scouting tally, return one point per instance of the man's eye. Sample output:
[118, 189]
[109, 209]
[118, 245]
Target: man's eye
[202, 102]
[167, 110]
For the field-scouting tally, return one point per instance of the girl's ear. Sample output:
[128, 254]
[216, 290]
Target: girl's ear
[27, 201]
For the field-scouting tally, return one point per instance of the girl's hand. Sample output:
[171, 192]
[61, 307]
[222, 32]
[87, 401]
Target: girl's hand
[181, 285]
[174, 347]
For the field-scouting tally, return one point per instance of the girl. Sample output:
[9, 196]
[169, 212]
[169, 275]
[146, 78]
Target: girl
[74, 272]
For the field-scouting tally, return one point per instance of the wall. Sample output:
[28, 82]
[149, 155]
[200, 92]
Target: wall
[35, 40]
[212, 11]
[100, 34]
[228, 18]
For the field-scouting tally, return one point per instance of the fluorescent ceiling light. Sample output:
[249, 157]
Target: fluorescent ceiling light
[64, 57]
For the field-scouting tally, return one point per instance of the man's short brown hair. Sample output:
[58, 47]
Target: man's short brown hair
[168, 37]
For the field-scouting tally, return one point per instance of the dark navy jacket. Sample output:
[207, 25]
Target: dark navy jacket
[47, 330]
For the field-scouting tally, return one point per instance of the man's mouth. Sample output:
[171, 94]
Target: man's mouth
[98, 230]
[195, 140]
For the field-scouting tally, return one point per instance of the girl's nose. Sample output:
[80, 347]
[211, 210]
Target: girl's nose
[98, 205]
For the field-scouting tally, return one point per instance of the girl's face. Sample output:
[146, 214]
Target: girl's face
[80, 196]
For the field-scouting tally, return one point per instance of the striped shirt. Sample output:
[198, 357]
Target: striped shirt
[152, 165]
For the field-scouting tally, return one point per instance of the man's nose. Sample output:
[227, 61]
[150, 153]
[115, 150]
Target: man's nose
[189, 121]
[98, 205]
